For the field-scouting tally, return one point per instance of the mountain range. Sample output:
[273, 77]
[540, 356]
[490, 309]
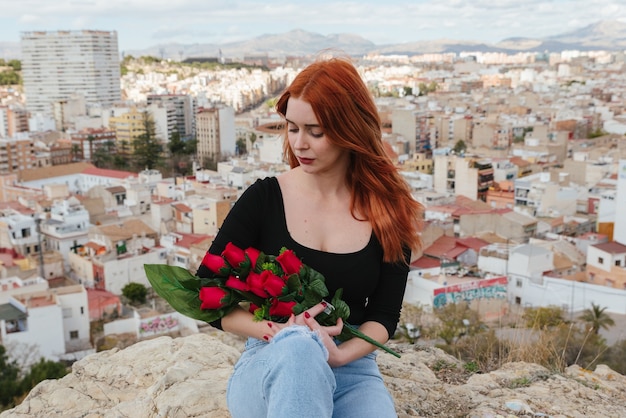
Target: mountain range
[603, 35]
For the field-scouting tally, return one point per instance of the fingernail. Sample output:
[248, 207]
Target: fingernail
[324, 304]
[307, 315]
[266, 338]
[269, 324]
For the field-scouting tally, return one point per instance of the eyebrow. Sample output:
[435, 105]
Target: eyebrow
[306, 125]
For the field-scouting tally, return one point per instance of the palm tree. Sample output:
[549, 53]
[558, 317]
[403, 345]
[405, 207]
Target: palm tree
[597, 318]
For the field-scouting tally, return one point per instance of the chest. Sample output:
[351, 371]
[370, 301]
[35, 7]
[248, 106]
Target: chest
[326, 225]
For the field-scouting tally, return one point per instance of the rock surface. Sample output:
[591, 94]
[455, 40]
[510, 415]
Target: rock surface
[187, 376]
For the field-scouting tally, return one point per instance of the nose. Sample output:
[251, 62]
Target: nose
[300, 140]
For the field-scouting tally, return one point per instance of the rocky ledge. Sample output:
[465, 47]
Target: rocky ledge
[186, 377]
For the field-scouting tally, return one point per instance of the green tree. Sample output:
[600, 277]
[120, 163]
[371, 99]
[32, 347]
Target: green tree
[135, 292]
[9, 386]
[596, 318]
[147, 149]
[176, 145]
[459, 147]
[15, 64]
[456, 320]
[75, 152]
[241, 146]
[543, 317]
[43, 370]
[102, 157]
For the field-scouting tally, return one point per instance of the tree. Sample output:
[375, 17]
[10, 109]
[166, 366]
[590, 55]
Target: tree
[75, 152]
[457, 319]
[9, 386]
[459, 147]
[102, 157]
[176, 145]
[43, 370]
[135, 292]
[596, 318]
[543, 317]
[147, 149]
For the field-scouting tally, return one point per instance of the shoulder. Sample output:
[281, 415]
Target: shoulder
[265, 188]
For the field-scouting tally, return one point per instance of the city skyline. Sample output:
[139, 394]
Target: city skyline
[141, 24]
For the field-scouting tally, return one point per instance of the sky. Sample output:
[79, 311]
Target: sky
[144, 23]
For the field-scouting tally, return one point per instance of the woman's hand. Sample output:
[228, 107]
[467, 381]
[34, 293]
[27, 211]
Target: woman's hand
[326, 333]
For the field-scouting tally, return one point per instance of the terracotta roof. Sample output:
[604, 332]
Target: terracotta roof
[182, 207]
[426, 263]
[189, 239]
[53, 171]
[118, 174]
[116, 189]
[445, 247]
[612, 247]
[126, 230]
[474, 243]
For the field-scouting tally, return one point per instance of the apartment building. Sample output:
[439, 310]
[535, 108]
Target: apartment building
[215, 133]
[89, 140]
[417, 127]
[67, 226]
[463, 176]
[12, 121]
[56, 65]
[52, 322]
[16, 154]
[183, 109]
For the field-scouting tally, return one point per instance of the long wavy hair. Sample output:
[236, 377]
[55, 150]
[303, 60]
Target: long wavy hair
[348, 116]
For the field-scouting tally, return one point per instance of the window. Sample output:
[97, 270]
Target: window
[600, 260]
[82, 310]
[73, 335]
[518, 300]
[518, 283]
[618, 262]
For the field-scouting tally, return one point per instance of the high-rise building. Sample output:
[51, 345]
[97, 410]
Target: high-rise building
[57, 65]
[184, 109]
[215, 130]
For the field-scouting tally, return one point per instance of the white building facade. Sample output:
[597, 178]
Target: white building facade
[56, 65]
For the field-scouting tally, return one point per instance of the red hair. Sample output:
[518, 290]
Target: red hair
[347, 114]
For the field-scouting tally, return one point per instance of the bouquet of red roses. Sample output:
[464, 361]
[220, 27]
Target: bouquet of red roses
[274, 286]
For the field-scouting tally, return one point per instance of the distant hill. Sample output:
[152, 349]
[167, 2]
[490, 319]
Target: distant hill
[607, 35]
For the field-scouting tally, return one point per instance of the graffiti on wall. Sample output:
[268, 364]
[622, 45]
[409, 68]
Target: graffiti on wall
[158, 325]
[477, 289]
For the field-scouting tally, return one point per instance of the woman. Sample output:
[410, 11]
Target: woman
[347, 213]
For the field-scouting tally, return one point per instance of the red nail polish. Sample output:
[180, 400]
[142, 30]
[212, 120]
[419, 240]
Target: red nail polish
[307, 315]
[266, 338]
[324, 304]
[269, 324]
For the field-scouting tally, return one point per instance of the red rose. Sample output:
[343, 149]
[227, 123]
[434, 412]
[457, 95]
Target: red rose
[253, 255]
[213, 297]
[281, 308]
[272, 284]
[255, 284]
[234, 283]
[213, 262]
[289, 262]
[233, 254]
[265, 284]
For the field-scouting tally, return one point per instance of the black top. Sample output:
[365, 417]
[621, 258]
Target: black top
[373, 290]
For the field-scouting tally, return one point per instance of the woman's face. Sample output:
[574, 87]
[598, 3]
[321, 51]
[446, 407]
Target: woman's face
[315, 153]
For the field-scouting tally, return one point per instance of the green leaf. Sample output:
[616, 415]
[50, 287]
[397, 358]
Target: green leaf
[319, 287]
[180, 289]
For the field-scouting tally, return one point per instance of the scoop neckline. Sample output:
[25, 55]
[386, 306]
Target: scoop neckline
[284, 222]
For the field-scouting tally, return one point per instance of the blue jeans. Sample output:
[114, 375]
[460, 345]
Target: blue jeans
[290, 377]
